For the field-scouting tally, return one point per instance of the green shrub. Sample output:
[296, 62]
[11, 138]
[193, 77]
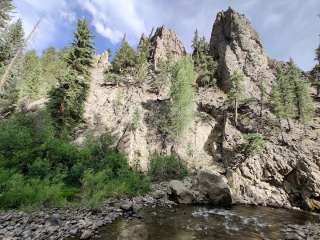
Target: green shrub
[255, 144]
[166, 167]
[98, 186]
[39, 169]
[18, 191]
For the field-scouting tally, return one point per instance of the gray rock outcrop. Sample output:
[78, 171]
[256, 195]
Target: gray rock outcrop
[165, 46]
[236, 45]
[284, 174]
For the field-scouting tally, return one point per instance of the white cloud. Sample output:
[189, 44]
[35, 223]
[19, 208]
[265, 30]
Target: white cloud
[113, 19]
[288, 28]
[55, 16]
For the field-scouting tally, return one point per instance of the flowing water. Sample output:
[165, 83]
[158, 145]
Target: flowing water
[186, 223]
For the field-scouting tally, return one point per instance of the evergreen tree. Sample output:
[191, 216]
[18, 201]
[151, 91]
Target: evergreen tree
[6, 8]
[236, 92]
[67, 100]
[13, 40]
[282, 97]
[142, 59]
[125, 58]
[203, 62]
[31, 76]
[301, 93]
[181, 109]
[82, 51]
[53, 66]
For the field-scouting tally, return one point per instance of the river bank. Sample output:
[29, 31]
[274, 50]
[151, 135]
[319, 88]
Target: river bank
[61, 223]
[193, 197]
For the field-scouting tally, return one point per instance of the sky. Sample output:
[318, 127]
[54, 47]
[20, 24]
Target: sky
[288, 28]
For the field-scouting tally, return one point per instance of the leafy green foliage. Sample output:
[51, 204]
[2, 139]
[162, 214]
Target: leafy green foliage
[81, 54]
[291, 95]
[125, 59]
[282, 98]
[39, 169]
[203, 62]
[6, 8]
[31, 75]
[11, 40]
[98, 186]
[163, 168]
[255, 144]
[67, 100]
[301, 94]
[181, 93]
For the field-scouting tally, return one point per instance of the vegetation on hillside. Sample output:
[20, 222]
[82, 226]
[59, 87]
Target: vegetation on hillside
[67, 99]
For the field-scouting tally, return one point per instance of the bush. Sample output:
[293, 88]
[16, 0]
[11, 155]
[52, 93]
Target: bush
[17, 191]
[255, 144]
[98, 186]
[166, 167]
[39, 169]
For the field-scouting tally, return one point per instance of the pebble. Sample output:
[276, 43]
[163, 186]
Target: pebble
[61, 223]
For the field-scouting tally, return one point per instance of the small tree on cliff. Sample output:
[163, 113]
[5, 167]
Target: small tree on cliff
[67, 100]
[181, 106]
[282, 98]
[301, 93]
[125, 58]
[236, 92]
[203, 62]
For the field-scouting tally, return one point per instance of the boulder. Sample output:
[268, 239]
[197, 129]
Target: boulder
[215, 187]
[180, 193]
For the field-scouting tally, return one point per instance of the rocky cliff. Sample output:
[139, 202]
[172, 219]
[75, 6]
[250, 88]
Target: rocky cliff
[284, 174]
[236, 45]
[165, 46]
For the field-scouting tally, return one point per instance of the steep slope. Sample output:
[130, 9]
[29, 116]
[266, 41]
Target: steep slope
[236, 45]
[284, 174]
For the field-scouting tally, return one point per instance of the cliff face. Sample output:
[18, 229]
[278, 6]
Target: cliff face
[283, 175]
[236, 45]
[165, 45]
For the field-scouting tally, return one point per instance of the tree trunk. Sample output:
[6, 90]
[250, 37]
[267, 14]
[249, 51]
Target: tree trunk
[236, 112]
[281, 131]
[289, 125]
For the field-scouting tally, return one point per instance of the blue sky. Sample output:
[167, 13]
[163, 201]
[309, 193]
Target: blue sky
[288, 28]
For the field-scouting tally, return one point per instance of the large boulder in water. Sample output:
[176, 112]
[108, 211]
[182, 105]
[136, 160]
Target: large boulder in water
[214, 186]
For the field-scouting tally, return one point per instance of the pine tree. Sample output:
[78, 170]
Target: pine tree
[6, 8]
[301, 93]
[53, 67]
[82, 51]
[236, 92]
[13, 40]
[31, 76]
[67, 100]
[125, 58]
[181, 93]
[282, 98]
[203, 62]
